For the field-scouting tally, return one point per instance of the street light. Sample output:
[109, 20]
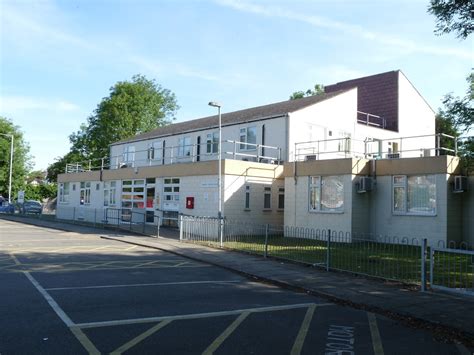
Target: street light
[11, 167]
[219, 178]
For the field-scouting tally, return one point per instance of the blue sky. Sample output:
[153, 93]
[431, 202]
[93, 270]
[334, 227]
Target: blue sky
[59, 58]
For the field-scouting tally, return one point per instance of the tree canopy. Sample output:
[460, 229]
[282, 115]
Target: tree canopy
[21, 158]
[317, 90]
[453, 16]
[132, 107]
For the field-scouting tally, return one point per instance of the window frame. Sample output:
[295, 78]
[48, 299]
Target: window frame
[212, 143]
[128, 155]
[247, 198]
[281, 202]
[184, 147]
[317, 185]
[244, 138]
[267, 197]
[402, 182]
[64, 189]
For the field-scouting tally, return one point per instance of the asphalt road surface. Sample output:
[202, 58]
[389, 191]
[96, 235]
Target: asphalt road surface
[70, 293]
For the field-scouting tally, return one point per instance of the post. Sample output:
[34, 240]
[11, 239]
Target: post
[424, 250]
[95, 217]
[438, 144]
[432, 261]
[144, 222]
[158, 227]
[221, 232]
[74, 215]
[10, 174]
[265, 253]
[181, 228]
[328, 251]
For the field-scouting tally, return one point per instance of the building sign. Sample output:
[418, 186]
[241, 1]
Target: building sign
[21, 196]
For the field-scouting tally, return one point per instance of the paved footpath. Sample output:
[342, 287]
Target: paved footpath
[447, 316]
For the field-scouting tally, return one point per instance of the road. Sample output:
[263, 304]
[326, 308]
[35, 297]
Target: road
[71, 293]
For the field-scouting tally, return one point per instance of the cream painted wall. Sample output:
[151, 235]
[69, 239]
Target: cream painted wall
[468, 212]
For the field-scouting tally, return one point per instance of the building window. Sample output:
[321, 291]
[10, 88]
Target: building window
[110, 190]
[85, 193]
[414, 195]
[281, 198]
[247, 197]
[212, 142]
[184, 147]
[248, 138]
[154, 150]
[64, 192]
[128, 154]
[326, 194]
[267, 198]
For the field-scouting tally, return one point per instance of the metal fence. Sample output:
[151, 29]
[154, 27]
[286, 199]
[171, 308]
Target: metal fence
[392, 258]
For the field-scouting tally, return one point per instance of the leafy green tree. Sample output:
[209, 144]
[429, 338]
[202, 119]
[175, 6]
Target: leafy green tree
[59, 166]
[133, 107]
[453, 16]
[21, 158]
[317, 90]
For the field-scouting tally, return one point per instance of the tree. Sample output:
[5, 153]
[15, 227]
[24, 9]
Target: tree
[59, 166]
[453, 16]
[21, 158]
[318, 90]
[133, 107]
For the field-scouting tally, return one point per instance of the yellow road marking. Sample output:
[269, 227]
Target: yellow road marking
[140, 338]
[374, 331]
[300, 338]
[221, 338]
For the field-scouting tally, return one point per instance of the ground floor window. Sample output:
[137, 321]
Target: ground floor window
[414, 195]
[326, 194]
[85, 193]
[281, 198]
[133, 196]
[247, 198]
[110, 190]
[64, 192]
[267, 198]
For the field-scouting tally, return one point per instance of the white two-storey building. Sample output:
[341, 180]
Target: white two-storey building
[297, 162]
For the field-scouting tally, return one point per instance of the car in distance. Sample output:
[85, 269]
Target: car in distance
[32, 207]
[6, 207]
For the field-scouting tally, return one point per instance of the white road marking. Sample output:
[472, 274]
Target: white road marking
[196, 315]
[143, 285]
[225, 334]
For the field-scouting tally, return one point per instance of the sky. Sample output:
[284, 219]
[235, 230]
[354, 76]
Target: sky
[58, 59]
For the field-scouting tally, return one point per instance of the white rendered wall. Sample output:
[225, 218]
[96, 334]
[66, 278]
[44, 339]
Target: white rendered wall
[313, 123]
[275, 135]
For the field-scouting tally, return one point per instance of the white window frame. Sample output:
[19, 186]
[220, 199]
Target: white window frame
[247, 198]
[401, 183]
[110, 189]
[212, 143]
[267, 197]
[128, 155]
[184, 147]
[85, 193]
[317, 186]
[64, 192]
[154, 149]
[281, 194]
[245, 144]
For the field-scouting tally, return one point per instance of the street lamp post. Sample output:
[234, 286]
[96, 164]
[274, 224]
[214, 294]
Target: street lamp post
[219, 178]
[11, 167]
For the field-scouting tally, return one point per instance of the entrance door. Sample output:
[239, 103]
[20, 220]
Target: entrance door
[150, 201]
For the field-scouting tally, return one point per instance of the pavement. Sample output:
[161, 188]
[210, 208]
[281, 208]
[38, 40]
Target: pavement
[448, 316]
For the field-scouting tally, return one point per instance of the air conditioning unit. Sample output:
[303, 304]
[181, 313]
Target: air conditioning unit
[393, 155]
[310, 157]
[365, 184]
[460, 184]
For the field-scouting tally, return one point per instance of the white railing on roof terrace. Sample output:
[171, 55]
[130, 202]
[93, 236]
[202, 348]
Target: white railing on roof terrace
[187, 153]
[371, 120]
[371, 148]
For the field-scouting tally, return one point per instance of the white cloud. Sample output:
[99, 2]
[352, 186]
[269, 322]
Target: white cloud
[407, 46]
[12, 104]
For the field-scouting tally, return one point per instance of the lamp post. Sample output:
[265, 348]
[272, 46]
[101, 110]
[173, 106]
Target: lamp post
[219, 178]
[11, 167]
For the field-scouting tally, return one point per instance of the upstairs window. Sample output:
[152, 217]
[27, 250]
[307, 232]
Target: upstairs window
[184, 147]
[248, 138]
[128, 154]
[212, 142]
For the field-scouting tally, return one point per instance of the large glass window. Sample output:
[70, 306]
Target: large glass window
[281, 198]
[64, 192]
[326, 194]
[248, 138]
[212, 142]
[155, 150]
[128, 154]
[109, 193]
[414, 194]
[184, 146]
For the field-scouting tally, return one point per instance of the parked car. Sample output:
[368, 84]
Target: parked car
[6, 207]
[31, 206]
